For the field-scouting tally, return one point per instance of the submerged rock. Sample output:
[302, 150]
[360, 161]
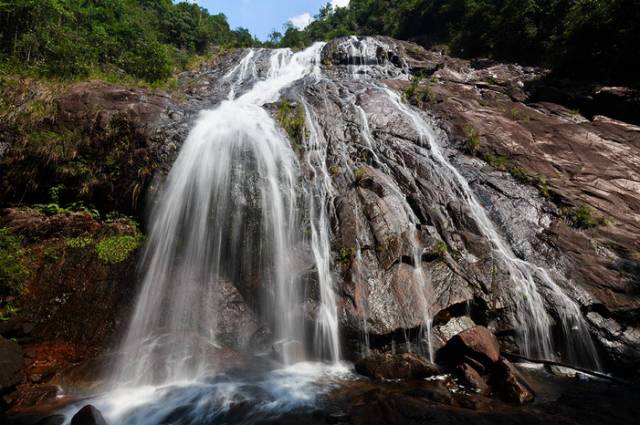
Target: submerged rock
[88, 415]
[396, 366]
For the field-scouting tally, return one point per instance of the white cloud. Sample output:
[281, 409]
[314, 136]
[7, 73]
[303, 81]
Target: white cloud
[339, 3]
[301, 21]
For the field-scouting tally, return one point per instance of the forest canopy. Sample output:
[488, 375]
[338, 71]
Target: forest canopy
[145, 39]
[586, 39]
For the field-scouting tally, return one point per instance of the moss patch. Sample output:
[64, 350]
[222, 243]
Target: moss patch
[79, 242]
[116, 249]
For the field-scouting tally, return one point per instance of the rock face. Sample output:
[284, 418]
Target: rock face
[395, 366]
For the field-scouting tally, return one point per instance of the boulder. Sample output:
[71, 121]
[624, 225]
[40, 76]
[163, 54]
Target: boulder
[471, 378]
[88, 415]
[476, 346]
[11, 364]
[396, 366]
[511, 384]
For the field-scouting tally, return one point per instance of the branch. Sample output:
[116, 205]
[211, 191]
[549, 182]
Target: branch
[513, 356]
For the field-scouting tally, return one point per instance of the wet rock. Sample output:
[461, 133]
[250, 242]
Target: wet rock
[395, 366]
[476, 345]
[471, 378]
[88, 415]
[11, 364]
[434, 391]
[511, 384]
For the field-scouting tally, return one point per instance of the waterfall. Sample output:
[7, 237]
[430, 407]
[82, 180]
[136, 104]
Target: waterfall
[228, 214]
[534, 323]
[320, 199]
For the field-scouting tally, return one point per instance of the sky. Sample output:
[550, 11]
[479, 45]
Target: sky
[260, 17]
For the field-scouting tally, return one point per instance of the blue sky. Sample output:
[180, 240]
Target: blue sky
[261, 16]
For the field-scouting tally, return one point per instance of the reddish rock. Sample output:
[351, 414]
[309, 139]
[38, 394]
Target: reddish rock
[476, 344]
[511, 384]
[473, 379]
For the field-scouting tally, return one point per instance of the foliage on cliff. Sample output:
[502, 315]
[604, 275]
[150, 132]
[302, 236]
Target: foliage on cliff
[12, 271]
[588, 39]
[145, 39]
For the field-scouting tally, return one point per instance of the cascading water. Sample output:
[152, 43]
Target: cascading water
[320, 198]
[231, 216]
[228, 214]
[531, 283]
[533, 320]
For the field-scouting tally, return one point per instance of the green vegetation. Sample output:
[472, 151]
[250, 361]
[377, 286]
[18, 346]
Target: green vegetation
[418, 94]
[111, 39]
[52, 254]
[335, 170]
[499, 162]
[472, 145]
[79, 242]
[441, 249]
[53, 207]
[518, 114]
[116, 249]
[582, 217]
[12, 270]
[7, 312]
[345, 255]
[587, 39]
[292, 120]
[538, 181]
[359, 173]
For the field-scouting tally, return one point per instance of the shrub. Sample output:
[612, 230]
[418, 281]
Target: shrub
[12, 270]
[292, 120]
[499, 162]
[345, 255]
[472, 145]
[582, 217]
[441, 249]
[359, 173]
[418, 94]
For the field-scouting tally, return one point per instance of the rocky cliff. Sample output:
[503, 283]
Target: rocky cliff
[562, 190]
